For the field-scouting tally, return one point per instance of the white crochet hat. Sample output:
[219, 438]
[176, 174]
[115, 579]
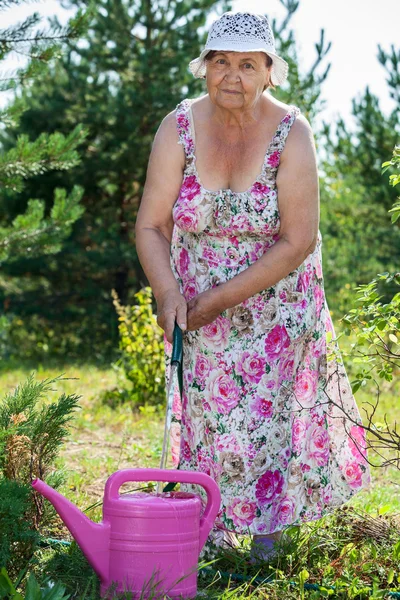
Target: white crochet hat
[242, 32]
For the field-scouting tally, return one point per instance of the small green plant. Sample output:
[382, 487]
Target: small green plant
[48, 590]
[31, 435]
[394, 179]
[377, 327]
[68, 566]
[141, 361]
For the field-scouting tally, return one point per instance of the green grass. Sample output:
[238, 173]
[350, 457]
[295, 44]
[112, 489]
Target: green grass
[329, 552]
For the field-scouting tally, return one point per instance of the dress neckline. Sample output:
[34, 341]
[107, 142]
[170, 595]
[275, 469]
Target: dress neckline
[259, 176]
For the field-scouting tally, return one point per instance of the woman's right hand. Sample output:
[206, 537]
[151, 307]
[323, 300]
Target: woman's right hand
[171, 306]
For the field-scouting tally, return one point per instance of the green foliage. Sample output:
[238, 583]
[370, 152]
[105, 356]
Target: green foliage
[355, 199]
[48, 590]
[394, 180]
[32, 235]
[47, 152]
[142, 350]
[26, 231]
[68, 565]
[31, 434]
[375, 323]
[18, 537]
[377, 326]
[51, 342]
[39, 45]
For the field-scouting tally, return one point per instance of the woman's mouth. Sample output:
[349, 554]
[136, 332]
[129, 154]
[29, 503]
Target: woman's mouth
[230, 92]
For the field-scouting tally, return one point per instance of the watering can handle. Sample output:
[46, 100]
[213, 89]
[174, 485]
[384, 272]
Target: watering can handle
[115, 481]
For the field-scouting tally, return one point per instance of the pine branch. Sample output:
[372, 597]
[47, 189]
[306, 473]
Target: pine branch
[32, 235]
[49, 427]
[41, 44]
[46, 153]
[24, 397]
[6, 4]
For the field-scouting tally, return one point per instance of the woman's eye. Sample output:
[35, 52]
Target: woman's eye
[248, 65]
[220, 59]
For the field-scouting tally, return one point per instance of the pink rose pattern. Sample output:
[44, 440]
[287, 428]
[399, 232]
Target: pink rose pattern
[254, 414]
[269, 486]
[251, 367]
[242, 512]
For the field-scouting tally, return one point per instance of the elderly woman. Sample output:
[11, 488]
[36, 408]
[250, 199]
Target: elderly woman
[228, 236]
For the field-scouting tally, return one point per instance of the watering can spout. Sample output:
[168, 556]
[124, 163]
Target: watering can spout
[92, 538]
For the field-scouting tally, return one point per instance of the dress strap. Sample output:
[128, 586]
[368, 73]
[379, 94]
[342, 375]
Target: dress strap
[184, 127]
[273, 155]
[285, 125]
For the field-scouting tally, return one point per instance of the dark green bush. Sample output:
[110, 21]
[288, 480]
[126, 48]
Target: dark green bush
[18, 536]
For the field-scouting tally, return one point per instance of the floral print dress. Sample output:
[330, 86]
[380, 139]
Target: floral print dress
[264, 384]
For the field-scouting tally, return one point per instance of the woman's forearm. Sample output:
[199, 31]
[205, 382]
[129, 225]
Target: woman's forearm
[153, 250]
[277, 262]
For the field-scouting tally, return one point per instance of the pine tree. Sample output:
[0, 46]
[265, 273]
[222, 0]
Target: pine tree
[29, 232]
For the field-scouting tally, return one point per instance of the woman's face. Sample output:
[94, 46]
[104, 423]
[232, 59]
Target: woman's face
[236, 79]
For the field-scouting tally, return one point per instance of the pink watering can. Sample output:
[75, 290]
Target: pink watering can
[147, 544]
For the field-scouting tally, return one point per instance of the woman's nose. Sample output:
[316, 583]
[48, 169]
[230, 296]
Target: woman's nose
[232, 75]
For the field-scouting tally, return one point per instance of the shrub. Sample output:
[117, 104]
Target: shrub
[141, 361]
[18, 538]
[31, 434]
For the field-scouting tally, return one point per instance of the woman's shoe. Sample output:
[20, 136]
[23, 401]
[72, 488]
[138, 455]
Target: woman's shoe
[264, 549]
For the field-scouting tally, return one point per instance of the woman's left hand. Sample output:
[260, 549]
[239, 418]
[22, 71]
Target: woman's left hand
[203, 309]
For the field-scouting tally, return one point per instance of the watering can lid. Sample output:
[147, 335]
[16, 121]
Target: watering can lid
[163, 499]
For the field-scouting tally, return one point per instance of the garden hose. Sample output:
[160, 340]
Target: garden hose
[259, 579]
[234, 576]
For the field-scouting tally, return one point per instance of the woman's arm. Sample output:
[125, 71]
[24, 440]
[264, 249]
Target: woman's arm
[298, 198]
[154, 224]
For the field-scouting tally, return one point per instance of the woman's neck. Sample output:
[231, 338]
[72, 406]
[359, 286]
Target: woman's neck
[241, 118]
